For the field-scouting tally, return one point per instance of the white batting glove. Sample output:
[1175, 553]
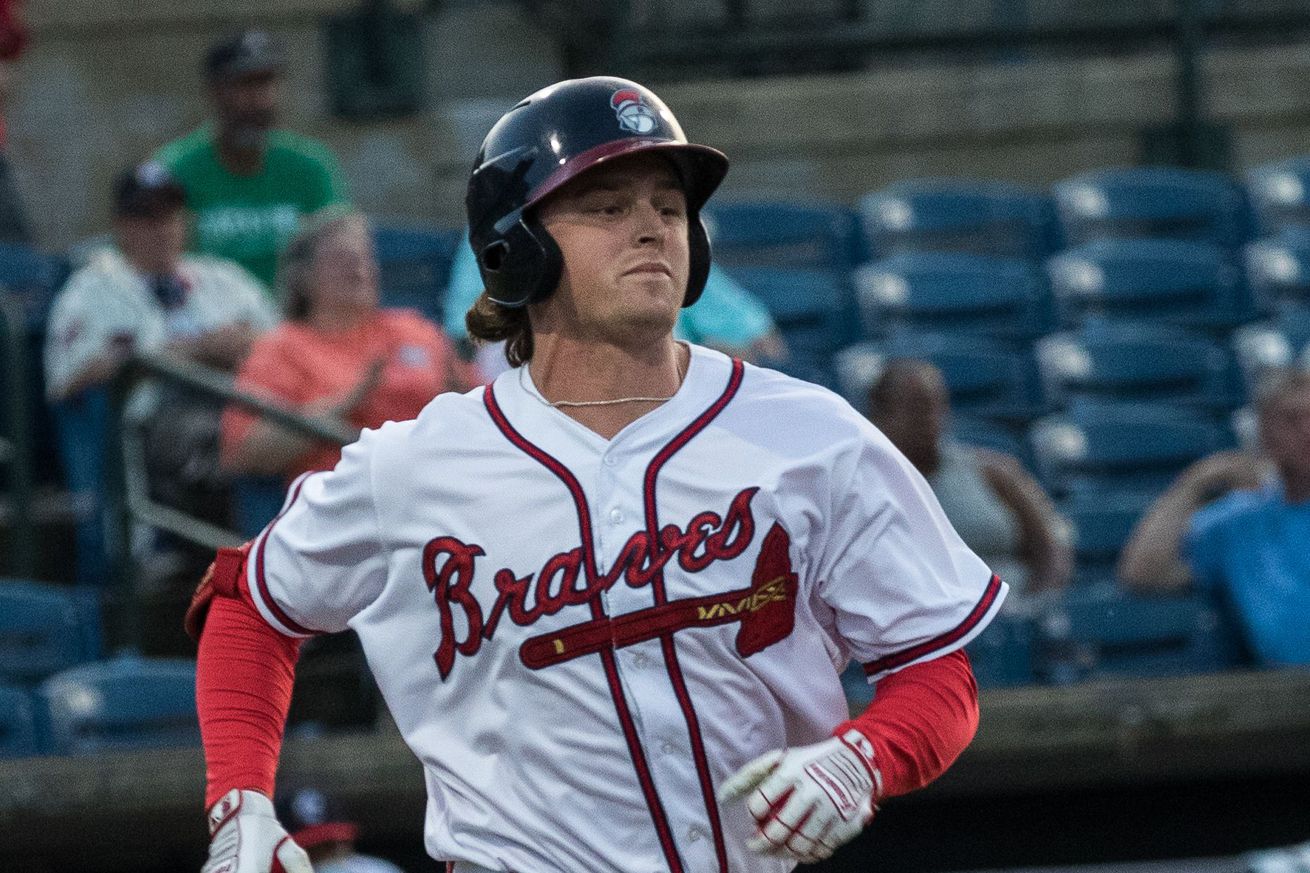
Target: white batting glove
[809, 800]
[245, 837]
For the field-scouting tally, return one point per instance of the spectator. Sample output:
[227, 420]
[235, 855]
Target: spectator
[13, 40]
[339, 356]
[247, 183]
[999, 510]
[1237, 524]
[319, 826]
[726, 317]
[144, 294]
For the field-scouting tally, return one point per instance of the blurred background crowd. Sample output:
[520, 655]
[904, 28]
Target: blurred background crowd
[1058, 252]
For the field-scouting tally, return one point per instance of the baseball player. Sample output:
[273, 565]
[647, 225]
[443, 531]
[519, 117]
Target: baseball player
[608, 596]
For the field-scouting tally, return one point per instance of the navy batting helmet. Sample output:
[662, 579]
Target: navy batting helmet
[549, 138]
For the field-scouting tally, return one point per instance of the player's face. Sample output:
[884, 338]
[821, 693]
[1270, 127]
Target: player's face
[344, 274]
[622, 229]
[1285, 431]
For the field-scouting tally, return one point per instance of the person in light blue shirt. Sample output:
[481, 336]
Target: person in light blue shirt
[727, 317]
[1239, 526]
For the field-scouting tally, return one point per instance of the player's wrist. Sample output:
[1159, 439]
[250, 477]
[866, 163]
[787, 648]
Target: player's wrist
[868, 748]
[238, 801]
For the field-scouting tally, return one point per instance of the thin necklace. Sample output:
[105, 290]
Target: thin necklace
[558, 404]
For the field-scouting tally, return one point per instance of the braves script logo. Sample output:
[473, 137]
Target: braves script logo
[570, 579]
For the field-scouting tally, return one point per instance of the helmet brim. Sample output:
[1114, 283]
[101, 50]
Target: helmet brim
[702, 168]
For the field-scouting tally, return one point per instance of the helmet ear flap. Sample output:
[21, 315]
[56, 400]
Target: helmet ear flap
[698, 246]
[520, 266]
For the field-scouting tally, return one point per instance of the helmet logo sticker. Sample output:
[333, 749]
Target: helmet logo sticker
[633, 113]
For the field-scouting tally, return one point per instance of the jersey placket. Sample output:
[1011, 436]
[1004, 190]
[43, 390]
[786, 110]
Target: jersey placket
[651, 698]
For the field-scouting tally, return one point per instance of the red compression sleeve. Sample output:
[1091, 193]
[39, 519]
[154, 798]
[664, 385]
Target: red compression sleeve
[920, 720]
[244, 674]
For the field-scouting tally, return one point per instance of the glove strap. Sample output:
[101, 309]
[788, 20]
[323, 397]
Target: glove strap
[858, 743]
[238, 801]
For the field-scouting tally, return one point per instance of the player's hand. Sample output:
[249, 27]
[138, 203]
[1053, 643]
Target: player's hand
[245, 837]
[809, 800]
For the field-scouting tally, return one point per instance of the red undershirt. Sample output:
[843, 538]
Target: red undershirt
[919, 722]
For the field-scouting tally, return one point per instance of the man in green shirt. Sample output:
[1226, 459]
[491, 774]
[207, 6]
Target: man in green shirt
[248, 184]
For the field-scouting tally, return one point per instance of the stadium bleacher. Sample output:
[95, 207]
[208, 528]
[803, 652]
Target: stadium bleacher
[1106, 333]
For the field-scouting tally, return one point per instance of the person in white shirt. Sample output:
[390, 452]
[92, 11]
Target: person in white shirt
[144, 294]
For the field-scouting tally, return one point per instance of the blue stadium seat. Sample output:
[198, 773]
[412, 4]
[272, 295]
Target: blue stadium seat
[1281, 341]
[991, 435]
[123, 703]
[1103, 631]
[950, 292]
[1140, 362]
[773, 233]
[986, 380]
[414, 263]
[1278, 272]
[44, 628]
[1154, 203]
[810, 307]
[18, 732]
[1003, 655]
[256, 500]
[1101, 524]
[1187, 284]
[1279, 193]
[1101, 448]
[960, 215]
[32, 277]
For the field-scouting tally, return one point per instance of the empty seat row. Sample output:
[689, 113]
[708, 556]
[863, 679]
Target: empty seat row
[1097, 633]
[122, 703]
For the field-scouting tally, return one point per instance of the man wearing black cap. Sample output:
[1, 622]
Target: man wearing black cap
[247, 183]
[144, 294]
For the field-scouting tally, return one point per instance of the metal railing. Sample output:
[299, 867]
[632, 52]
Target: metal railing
[127, 486]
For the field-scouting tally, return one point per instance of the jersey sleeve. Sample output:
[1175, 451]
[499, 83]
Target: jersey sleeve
[321, 560]
[903, 586]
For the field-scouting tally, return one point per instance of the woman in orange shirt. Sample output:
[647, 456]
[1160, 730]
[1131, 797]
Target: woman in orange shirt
[339, 356]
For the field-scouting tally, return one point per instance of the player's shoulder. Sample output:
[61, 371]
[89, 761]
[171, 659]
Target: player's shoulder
[783, 395]
[450, 418]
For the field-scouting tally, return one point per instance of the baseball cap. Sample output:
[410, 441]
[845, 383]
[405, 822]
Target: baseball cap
[312, 818]
[147, 191]
[249, 52]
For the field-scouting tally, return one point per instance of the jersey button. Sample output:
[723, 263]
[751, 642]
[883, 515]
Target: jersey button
[616, 516]
[668, 748]
[694, 834]
[610, 461]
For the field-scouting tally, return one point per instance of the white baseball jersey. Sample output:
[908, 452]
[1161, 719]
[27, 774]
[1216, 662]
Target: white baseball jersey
[582, 638]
